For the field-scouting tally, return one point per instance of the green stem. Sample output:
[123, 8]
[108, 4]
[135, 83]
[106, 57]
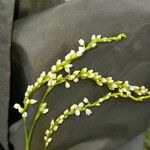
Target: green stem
[25, 134]
[36, 118]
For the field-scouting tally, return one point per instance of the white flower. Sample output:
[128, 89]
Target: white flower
[71, 77]
[72, 52]
[51, 82]
[81, 104]
[58, 62]
[99, 36]
[76, 72]
[52, 122]
[43, 74]
[67, 57]
[98, 104]
[67, 70]
[45, 111]
[45, 138]
[67, 67]
[40, 79]
[81, 42]
[26, 94]
[66, 111]
[77, 112]
[53, 68]
[88, 112]
[114, 85]
[49, 140]
[27, 101]
[16, 106]
[76, 80]
[104, 80]
[93, 45]
[101, 100]
[24, 115]
[62, 117]
[33, 101]
[85, 100]
[67, 85]
[55, 128]
[29, 88]
[74, 106]
[128, 93]
[36, 84]
[60, 121]
[80, 51]
[93, 37]
[47, 132]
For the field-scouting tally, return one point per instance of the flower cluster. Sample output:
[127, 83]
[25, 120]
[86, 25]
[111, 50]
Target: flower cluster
[53, 78]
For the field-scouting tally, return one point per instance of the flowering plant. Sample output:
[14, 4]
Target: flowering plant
[53, 78]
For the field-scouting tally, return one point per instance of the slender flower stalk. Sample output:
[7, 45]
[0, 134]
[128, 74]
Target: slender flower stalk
[84, 106]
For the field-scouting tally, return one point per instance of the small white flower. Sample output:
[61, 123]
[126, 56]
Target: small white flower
[104, 80]
[77, 112]
[101, 100]
[24, 115]
[76, 80]
[45, 111]
[93, 37]
[67, 70]
[60, 121]
[114, 86]
[71, 77]
[81, 104]
[36, 84]
[81, 49]
[66, 111]
[62, 117]
[43, 74]
[81, 42]
[20, 109]
[98, 104]
[55, 128]
[68, 66]
[74, 106]
[49, 140]
[53, 76]
[58, 62]
[72, 52]
[90, 71]
[45, 138]
[93, 45]
[53, 68]
[33, 101]
[85, 100]
[47, 132]
[128, 93]
[67, 57]
[40, 79]
[67, 85]
[99, 36]
[27, 101]
[76, 72]
[79, 53]
[16, 106]
[88, 112]
[29, 88]
[52, 122]
[26, 94]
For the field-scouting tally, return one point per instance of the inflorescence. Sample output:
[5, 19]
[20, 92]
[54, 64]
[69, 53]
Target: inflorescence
[53, 78]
